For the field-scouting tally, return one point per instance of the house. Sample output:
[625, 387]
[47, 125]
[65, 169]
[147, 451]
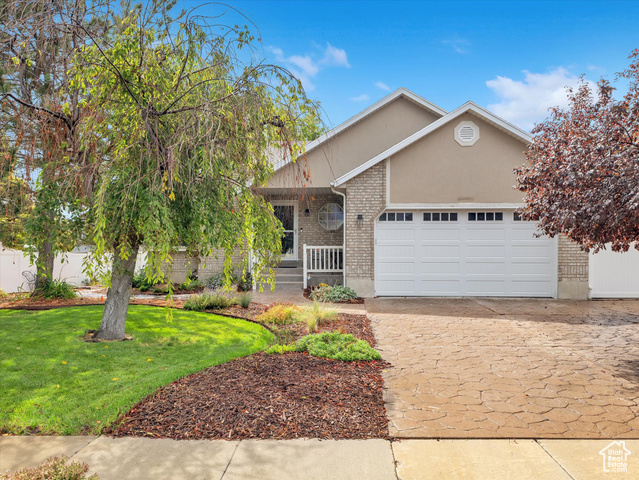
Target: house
[406, 199]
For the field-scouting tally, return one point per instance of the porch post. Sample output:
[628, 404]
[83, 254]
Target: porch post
[305, 267]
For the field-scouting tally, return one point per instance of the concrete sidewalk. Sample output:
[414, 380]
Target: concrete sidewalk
[141, 458]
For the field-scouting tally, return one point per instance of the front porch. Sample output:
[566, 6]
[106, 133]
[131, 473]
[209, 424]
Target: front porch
[313, 242]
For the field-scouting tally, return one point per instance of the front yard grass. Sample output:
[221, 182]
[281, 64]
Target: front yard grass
[52, 382]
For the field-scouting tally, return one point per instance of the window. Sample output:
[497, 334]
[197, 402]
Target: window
[396, 217]
[485, 216]
[517, 218]
[331, 216]
[440, 216]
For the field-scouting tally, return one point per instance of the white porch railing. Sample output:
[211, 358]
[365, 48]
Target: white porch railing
[322, 259]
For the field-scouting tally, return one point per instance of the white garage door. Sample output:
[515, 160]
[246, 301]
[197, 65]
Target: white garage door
[614, 275]
[462, 253]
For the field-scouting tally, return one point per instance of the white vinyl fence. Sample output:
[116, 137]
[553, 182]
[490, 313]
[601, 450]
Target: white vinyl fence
[13, 263]
[68, 266]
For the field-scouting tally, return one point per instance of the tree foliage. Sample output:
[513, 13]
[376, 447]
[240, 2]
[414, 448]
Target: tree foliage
[582, 176]
[39, 117]
[15, 201]
[177, 121]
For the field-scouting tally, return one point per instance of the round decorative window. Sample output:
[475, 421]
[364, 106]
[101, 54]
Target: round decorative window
[331, 216]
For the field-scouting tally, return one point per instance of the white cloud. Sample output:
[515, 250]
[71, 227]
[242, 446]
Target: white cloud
[382, 86]
[360, 98]
[335, 57]
[306, 67]
[305, 64]
[458, 44]
[526, 102]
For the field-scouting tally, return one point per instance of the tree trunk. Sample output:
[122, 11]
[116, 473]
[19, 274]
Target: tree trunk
[44, 264]
[117, 301]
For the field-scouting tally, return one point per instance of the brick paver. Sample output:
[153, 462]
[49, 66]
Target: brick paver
[465, 368]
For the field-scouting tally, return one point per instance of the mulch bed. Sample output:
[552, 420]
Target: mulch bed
[357, 301]
[265, 396]
[36, 303]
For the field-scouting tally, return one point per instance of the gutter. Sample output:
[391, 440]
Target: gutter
[343, 195]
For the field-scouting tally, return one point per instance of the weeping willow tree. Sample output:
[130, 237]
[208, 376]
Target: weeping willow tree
[178, 118]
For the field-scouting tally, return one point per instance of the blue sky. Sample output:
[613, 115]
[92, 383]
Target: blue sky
[514, 58]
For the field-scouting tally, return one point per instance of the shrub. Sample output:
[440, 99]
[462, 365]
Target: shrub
[245, 284]
[277, 348]
[142, 283]
[279, 314]
[55, 468]
[218, 280]
[245, 300]
[190, 284]
[56, 289]
[337, 293]
[337, 346]
[3, 294]
[209, 301]
[316, 315]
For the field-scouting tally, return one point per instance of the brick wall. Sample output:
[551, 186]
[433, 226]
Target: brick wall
[310, 231]
[573, 261]
[182, 266]
[365, 195]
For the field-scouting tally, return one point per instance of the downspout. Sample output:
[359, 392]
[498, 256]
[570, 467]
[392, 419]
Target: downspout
[343, 195]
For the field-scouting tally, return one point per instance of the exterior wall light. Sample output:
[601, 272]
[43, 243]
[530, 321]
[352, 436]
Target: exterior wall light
[307, 213]
[360, 219]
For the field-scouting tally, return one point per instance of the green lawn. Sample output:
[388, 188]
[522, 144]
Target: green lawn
[53, 381]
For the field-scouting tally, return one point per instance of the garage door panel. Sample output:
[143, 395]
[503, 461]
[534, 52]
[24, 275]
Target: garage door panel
[438, 287]
[531, 251]
[527, 232]
[396, 268]
[438, 234]
[485, 251]
[485, 286]
[485, 268]
[439, 251]
[397, 286]
[401, 234]
[440, 267]
[529, 288]
[397, 252]
[463, 258]
[486, 234]
[530, 268]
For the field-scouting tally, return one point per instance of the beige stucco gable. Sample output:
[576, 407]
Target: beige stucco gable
[357, 144]
[437, 169]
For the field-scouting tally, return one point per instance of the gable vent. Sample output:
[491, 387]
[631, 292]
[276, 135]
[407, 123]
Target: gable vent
[466, 133]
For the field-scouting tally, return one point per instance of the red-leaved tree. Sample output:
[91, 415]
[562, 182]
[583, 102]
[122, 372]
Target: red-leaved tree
[582, 175]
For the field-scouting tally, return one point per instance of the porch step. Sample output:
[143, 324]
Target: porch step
[289, 272]
[281, 277]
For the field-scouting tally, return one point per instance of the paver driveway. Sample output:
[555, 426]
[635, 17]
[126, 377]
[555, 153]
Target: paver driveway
[509, 368]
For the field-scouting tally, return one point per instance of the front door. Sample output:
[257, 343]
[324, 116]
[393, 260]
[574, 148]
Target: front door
[286, 212]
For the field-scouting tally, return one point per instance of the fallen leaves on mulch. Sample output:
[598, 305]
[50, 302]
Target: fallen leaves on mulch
[254, 310]
[265, 396]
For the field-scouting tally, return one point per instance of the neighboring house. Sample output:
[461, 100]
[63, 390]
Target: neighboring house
[424, 202]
